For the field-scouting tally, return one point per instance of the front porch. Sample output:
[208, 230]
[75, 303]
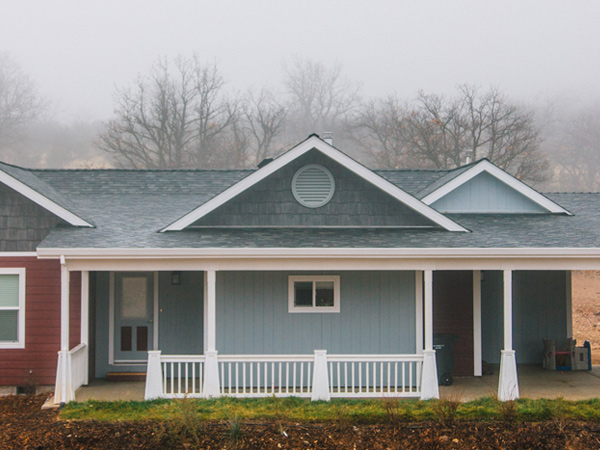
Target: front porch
[245, 339]
[534, 383]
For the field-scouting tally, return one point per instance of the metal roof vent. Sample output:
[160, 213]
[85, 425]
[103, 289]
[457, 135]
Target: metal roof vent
[313, 186]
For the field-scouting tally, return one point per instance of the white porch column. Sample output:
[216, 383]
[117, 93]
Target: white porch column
[477, 364]
[64, 391]
[429, 378]
[419, 311]
[508, 385]
[568, 297]
[320, 381]
[210, 309]
[85, 319]
[211, 386]
[154, 387]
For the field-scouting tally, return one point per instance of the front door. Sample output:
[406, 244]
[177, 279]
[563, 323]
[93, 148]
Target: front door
[134, 316]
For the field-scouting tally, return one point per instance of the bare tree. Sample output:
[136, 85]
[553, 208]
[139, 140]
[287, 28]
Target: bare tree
[265, 121]
[20, 102]
[380, 128]
[172, 119]
[439, 132]
[576, 149]
[320, 98]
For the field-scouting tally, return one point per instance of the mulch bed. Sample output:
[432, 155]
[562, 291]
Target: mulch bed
[23, 425]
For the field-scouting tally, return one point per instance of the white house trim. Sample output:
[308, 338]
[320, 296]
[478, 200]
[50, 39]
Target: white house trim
[314, 252]
[43, 201]
[314, 142]
[486, 166]
[20, 342]
[477, 343]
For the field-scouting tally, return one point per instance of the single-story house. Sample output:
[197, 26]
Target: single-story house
[312, 275]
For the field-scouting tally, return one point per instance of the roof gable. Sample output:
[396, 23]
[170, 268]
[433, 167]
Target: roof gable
[353, 202]
[313, 142]
[31, 187]
[458, 192]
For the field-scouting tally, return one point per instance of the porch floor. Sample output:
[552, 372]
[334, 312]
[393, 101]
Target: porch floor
[534, 382]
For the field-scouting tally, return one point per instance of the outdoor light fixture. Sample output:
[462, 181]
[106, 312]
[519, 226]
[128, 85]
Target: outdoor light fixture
[175, 277]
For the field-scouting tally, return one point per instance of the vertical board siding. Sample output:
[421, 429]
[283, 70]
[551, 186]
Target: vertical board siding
[485, 193]
[539, 312]
[36, 363]
[377, 315]
[180, 320]
[181, 311]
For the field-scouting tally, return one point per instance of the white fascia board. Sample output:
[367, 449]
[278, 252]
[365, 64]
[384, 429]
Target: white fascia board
[260, 253]
[486, 166]
[336, 155]
[43, 201]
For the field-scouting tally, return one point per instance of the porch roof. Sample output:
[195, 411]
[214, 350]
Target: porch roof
[133, 221]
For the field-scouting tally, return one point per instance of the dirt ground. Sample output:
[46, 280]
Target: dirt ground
[24, 425]
[586, 310]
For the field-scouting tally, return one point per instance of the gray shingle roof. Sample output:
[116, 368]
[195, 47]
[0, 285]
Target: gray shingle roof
[29, 178]
[449, 176]
[128, 208]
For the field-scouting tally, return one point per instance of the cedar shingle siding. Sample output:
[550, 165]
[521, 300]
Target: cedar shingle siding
[355, 203]
[23, 223]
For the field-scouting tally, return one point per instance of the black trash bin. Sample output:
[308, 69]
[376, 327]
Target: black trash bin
[443, 344]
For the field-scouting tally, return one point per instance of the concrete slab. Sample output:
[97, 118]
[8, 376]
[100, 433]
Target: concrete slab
[534, 383]
[111, 391]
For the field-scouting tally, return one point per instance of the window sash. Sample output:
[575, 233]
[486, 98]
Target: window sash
[317, 283]
[12, 308]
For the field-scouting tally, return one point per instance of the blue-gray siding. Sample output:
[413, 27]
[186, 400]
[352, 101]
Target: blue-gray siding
[377, 315]
[539, 311]
[181, 314]
[486, 194]
[180, 321]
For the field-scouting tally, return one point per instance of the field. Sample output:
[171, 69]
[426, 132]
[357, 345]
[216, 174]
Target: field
[586, 310]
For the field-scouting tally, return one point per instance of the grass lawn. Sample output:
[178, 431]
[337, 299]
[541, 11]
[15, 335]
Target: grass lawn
[370, 411]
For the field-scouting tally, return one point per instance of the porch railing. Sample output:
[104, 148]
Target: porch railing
[78, 363]
[374, 375]
[266, 375]
[77, 373]
[182, 375]
[319, 376]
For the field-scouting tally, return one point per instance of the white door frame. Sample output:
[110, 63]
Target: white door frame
[111, 323]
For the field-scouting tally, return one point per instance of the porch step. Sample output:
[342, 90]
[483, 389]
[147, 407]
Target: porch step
[126, 376]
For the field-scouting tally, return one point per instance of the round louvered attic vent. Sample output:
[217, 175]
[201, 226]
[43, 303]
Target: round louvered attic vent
[313, 186]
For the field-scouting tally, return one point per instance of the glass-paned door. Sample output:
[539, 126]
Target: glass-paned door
[134, 316]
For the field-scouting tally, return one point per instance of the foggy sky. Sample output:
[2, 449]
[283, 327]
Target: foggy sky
[78, 51]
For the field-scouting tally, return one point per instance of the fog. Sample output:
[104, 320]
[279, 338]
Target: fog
[542, 54]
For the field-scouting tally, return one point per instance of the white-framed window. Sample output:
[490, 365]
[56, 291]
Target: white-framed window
[12, 308]
[314, 294]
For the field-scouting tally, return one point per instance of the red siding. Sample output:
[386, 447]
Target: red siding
[453, 314]
[36, 363]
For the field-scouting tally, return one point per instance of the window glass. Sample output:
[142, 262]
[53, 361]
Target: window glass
[134, 298]
[303, 293]
[9, 325]
[9, 290]
[324, 293]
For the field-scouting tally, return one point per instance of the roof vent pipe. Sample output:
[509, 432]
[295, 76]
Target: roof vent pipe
[468, 157]
[328, 137]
